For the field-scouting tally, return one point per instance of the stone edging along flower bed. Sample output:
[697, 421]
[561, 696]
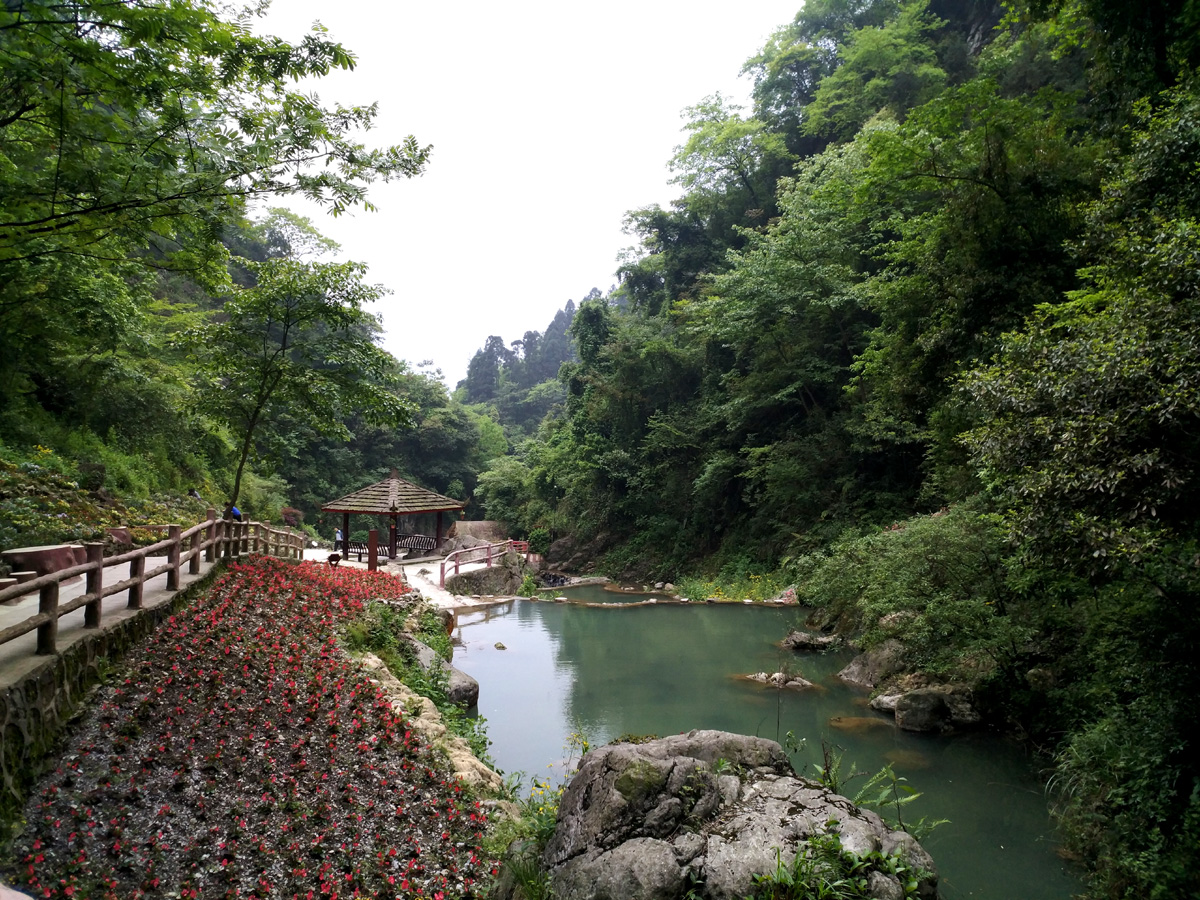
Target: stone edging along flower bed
[241, 753]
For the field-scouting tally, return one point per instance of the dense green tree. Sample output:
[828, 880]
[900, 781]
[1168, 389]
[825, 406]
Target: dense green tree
[1145, 46]
[296, 347]
[675, 250]
[1089, 442]
[978, 197]
[726, 153]
[890, 67]
[132, 135]
[518, 384]
[135, 124]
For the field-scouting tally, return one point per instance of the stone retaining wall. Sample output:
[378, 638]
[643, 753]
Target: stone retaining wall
[35, 710]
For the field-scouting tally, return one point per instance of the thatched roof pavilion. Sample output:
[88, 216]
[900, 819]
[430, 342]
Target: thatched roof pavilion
[392, 497]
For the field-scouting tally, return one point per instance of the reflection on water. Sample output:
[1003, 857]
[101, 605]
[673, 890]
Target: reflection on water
[667, 668]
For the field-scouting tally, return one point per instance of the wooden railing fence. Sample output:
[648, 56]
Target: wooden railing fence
[481, 553]
[209, 539]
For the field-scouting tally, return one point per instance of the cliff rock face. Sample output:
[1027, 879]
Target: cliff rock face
[705, 812]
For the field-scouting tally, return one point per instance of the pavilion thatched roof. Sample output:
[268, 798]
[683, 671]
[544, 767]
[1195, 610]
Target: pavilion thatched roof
[393, 495]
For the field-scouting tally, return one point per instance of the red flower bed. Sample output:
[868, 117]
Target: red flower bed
[243, 754]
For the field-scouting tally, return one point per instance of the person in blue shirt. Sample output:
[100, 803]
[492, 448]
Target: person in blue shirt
[235, 513]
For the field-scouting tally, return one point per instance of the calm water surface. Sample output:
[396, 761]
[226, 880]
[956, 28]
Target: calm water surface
[663, 669]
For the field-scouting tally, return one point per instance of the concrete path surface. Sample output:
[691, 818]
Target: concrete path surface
[17, 657]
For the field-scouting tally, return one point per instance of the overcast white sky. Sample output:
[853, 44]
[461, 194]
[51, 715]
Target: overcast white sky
[548, 120]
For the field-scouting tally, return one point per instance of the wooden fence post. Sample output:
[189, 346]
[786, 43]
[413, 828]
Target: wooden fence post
[244, 540]
[47, 634]
[194, 549]
[210, 554]
[173, 532]
[373, 550]
[290, 544]
[137, 569]
[95, 584]
[255, 536]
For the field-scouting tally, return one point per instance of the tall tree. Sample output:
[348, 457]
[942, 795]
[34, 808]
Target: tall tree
[297, 346]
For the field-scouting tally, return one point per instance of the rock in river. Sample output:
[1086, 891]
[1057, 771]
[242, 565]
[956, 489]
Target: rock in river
[781, 680]
[869, 669]
[461, 688]
[807, 640]
[701, 814]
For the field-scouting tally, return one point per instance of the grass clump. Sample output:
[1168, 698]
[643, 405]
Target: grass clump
[823, 870]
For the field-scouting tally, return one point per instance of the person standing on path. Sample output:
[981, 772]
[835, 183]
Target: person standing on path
[337, 539]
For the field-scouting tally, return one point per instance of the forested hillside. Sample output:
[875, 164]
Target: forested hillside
[920, 337]
[518, 385]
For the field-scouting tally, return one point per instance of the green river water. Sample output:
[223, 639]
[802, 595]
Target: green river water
[667, 668]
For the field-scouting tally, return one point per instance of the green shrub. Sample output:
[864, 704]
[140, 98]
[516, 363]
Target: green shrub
[939, 583]
[1127, 784]
[758, 587]
[539, 541]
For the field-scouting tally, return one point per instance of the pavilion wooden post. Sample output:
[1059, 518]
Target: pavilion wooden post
[345, 534]
[437, 541]
[373, 550]
[392, 537]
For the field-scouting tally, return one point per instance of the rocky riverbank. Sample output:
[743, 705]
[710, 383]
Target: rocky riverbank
[716, 816]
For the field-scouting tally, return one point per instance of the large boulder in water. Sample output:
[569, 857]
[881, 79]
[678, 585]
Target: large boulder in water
[703, 813]
[871, 668]
[503, 578]
[941, 708]
[800, 641]
[461, 689]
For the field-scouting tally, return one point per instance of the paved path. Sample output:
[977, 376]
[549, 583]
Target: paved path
[421, 574]
[17, 657]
